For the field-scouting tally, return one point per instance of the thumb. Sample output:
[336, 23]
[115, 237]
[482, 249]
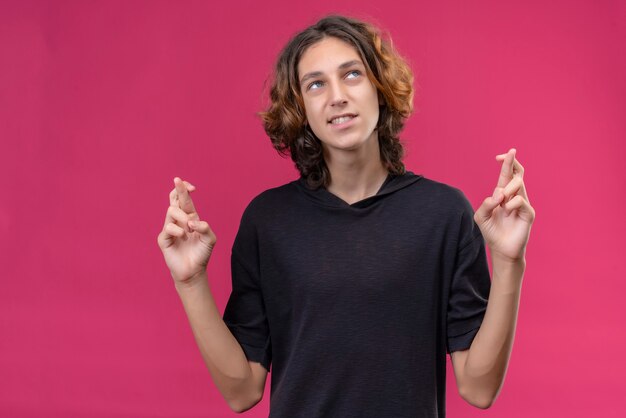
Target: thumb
[489, 204]
[203, 228]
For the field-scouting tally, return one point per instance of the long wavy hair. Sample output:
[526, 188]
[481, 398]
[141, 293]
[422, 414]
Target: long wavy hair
[284, 120]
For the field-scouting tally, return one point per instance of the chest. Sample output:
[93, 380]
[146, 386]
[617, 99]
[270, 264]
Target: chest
[354, 261]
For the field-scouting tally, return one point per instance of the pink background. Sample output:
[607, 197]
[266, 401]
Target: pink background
[103, 103]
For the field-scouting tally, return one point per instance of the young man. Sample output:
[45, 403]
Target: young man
[354, 281]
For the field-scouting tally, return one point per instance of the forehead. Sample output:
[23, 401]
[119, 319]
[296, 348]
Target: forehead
[326, 55]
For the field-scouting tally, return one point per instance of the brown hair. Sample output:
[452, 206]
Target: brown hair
[284, 120]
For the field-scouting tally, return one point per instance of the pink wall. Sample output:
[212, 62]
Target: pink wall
[103, 103]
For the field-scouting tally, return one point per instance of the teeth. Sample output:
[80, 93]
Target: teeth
[341, 120]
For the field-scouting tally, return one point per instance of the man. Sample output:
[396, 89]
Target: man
[353, 281]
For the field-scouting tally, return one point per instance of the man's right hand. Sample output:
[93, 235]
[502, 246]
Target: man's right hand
[186, 241]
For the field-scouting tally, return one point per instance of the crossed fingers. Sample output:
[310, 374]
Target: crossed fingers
[181, 206]
[511, 180]
[179, 196]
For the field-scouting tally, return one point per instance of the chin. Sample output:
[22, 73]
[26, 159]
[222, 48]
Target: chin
[348, 145]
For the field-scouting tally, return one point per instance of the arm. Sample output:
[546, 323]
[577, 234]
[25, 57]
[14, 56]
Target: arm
[480, 370]
[187, 244]
[241, 382]
[505, 219]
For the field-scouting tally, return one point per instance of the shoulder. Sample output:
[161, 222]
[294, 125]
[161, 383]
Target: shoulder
[458, 209]
[443, 195]
[269, 201]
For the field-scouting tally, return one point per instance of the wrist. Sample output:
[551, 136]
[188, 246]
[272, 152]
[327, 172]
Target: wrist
[508, 273]
[197, 280]
[507, 263]
[504, 259]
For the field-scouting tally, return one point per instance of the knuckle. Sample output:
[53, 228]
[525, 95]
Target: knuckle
[174, 230]
[178, 214]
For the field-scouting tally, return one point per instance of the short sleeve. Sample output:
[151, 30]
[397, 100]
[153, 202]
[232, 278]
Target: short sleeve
[245, 313]
[471, 282]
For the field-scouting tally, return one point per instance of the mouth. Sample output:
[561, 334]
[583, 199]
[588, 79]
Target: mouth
[341, 119]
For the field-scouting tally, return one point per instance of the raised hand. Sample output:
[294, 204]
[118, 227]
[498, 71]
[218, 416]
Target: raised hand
[505, 218]
[186, 241]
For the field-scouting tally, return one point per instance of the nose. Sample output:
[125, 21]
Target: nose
[337, 95]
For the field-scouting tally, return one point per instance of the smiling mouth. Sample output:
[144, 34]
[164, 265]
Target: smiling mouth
[337, 120]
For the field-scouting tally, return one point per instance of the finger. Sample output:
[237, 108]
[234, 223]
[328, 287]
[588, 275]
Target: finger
[522, 206]
[501, 157]
[174, 230]
[169, 234]
[206, 234]
[518, 172]
[178, 216]
[184, 200]
[489, 204]
[174, 196]
[190, 186]
[515, 187]
[506, 172]
[517, 167]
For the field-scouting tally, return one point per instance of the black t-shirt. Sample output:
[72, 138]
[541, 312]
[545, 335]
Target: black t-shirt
[355, 306]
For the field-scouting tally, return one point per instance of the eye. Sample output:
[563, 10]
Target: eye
[353, 74]
[314, 85]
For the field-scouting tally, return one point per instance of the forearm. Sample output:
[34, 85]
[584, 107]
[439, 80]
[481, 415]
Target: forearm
[488, 357]
[221, 352]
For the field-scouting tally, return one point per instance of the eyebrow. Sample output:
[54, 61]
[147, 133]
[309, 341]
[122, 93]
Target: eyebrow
[314, 74]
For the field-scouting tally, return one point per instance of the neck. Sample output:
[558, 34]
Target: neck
[356, 174]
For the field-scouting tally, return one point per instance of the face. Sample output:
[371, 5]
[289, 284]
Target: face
[341, 103]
